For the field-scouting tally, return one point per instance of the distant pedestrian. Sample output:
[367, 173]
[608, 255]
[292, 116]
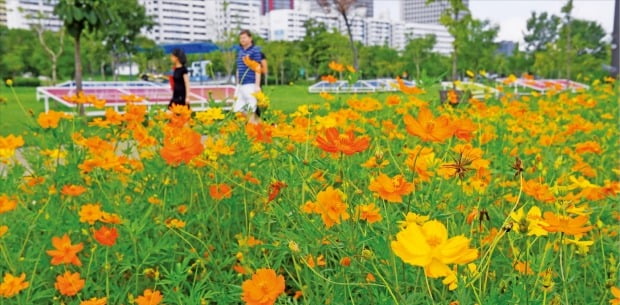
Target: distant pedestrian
[247, 79]
[180, 79]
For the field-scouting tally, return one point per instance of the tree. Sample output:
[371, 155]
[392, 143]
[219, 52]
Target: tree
[277, 52]
[419, 50]
[3, 50]
[96, 55]
[54, 53]
[477, 46]
[379, 61]
[588, 51]
[315, 45]
[79, 16]
[321, 46]
[149, 53]
[567, 9]
[455, 18]
[542, 29]
[120, 37]
[343, 7]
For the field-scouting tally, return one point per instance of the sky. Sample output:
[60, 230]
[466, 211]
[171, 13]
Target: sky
[511, 15]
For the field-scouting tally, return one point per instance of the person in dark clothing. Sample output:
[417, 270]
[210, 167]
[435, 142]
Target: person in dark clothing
[180, 79]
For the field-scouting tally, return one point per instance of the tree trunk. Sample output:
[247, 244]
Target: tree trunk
[353, 47]
[417, 71]
[78, 70]
[102, 69]
[615, 52]
[114, 66]
[568, 47]
[282, 74]
[454, 62]
[54, 65]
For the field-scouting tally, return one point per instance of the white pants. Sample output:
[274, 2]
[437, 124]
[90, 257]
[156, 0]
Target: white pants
[245, 102]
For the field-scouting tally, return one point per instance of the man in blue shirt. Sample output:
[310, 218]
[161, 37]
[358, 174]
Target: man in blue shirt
[248, 81]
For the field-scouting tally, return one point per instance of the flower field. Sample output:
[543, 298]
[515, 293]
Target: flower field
[399, 200]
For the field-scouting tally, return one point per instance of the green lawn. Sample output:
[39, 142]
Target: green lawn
[14, 120]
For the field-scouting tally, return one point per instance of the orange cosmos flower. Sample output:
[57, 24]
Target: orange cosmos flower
[181, 146]
[12, 285]
[523, 268]
[253, 65]
[464, 129]
[149, 297]
[106, 236]
[327, 96]
[65, 252]
[588, 146]
[390, 189]
[336, 66]
[329, 203]
[329, 78]
[8, 145]
[220, 191]
[615, 291]
[90, 213]
[393, 100]
[538, 190]
[110, 218]
[453, 97]
[7, 203]
[95, 301]
[69, 284]
[368, 212]
[274, 190]
[366, 104]
[345, 143]
[179, 115]
[263, 289]
[261, 132]
[406, 89]
[73, 190]
[429, 128]
[175, 223]
[50, 119]
[370, 278]
[351, 69]
[345, 261]
[566, 224]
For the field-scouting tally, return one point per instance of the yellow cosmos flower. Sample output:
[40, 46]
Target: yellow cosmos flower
[428, 246]
[532, 223]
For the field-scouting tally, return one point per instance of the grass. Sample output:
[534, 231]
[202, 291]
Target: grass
[13, 120]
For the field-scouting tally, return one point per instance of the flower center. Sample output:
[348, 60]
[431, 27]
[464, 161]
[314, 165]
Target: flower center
[433, 241]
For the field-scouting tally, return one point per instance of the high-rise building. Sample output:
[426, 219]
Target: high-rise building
[235, 15]
[378, 32]
[270, 5]
[201, 20]
[368, 5]
[178, 20]
[443, 39]
[285, 24]
[22, 14]
[419, 12]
